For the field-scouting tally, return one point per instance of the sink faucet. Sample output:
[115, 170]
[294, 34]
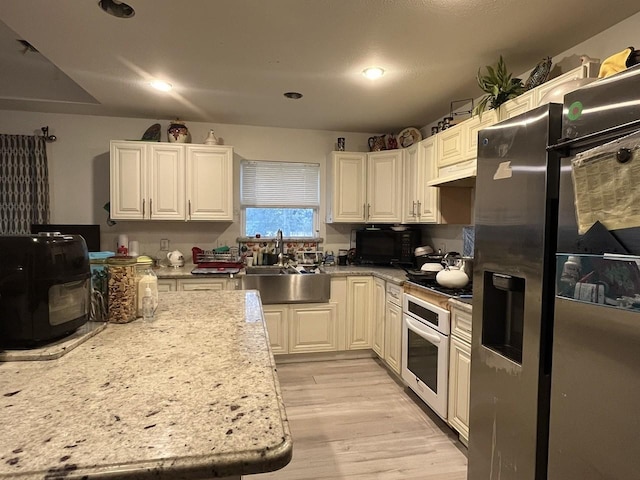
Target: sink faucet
[280, 248]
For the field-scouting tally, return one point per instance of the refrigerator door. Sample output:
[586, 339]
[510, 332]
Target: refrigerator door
[595, 393]
[516, 216]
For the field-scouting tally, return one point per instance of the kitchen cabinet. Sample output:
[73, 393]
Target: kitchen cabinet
[163, 181]
[460, 372]
[199, 284]
[277, 321]
[365, 187]
[359, 312]
[379, 304]
[420, 203]
[393, 327]
[166, 285]
[313, 328]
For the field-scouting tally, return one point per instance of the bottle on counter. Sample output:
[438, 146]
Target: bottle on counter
[148, 307]
[146, 278]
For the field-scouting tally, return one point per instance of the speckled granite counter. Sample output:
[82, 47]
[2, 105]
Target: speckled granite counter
[192, 395]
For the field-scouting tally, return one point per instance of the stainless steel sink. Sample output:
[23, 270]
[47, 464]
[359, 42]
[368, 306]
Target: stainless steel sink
[287, 285]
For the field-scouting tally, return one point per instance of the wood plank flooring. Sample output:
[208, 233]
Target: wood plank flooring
[351, 420]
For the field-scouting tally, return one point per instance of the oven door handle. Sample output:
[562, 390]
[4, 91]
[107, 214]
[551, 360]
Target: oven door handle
[415, 326]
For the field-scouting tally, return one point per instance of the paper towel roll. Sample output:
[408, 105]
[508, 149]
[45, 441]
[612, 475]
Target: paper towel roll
[134, 248]
[123, 241]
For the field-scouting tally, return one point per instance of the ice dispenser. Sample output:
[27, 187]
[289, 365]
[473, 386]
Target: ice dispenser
[503, 314]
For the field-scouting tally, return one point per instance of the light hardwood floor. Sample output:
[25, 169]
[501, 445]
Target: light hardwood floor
[351, 420]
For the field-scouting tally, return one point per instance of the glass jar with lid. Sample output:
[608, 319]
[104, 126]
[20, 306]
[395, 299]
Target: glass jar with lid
[99, 286]
[122, 289]
[146, 277]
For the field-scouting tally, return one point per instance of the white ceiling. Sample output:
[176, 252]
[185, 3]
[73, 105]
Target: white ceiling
[230, 61]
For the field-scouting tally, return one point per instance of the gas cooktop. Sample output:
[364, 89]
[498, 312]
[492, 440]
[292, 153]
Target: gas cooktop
[463, 293]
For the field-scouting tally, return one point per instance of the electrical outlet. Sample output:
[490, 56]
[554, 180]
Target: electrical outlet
[164, 244]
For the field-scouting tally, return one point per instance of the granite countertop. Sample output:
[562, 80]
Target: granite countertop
[192, 394]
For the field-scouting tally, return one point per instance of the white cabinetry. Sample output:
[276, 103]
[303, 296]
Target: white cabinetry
[379, 304]
[420, 204]
[359, 312]
[277, 321]
[162, 181]
[166, 285]
[393, 327]
[365, 187]
[460, 372]
[202, 284]
[313, 328]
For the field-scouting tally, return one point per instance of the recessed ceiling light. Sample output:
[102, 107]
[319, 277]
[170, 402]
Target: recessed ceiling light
[293, 95]
[373, 72]
[160, 85]
[117, 8]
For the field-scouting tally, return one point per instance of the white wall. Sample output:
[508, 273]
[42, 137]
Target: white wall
[79, 172]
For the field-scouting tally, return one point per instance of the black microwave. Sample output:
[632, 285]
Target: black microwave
[386, 246]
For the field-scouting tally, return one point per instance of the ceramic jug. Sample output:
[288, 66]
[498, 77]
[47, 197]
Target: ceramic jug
[377, 143]
[176, 259]
[178, 132]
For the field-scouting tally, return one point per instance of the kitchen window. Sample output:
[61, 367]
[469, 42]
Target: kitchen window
[279, 195]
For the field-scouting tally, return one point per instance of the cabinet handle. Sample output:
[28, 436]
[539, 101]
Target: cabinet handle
[413, 209]
[419, 207]
[189, 209]
[150, 208]
[143, 205]
[364, 210]
[368, 210]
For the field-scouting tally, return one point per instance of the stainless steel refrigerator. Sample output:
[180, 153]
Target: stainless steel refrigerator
[555, 360]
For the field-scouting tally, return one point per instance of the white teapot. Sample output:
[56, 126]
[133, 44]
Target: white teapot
[176, 259]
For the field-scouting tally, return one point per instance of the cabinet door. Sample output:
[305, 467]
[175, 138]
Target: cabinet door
[450, 146]
[209, 183]
[197, 284]
[166, 285]
[359, 313]
[276, 319]
[346, 181]
[166, 182]
[459, 381]
[393, 336]
[516, 106]
[312, 328]
[411, 172]
[471, 129]
[428, 197]
[461, 324]
[384, 186]
[379, 301]
[128, 181]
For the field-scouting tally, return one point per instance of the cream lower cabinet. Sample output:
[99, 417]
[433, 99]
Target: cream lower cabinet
[202, 284]
[166, 285]
[359, 312]
[460, 372]
[277, 320]
[393, 328]
[166, 181]
[379, 304]
[313, 328]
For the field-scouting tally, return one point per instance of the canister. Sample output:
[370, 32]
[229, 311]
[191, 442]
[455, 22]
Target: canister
[99, 286]
[122, 289]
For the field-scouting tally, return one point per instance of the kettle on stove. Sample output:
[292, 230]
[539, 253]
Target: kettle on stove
[176, 259]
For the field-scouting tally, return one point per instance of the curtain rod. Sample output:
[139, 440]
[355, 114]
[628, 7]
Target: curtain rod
[46, 136]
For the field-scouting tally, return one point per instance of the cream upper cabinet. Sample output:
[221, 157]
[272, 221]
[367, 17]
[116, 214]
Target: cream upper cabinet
[450, 145]
[519, 105]
[384, 186]
[164, 181]
[347, 184]
[209, 186]
[420, 204]
[365, 187]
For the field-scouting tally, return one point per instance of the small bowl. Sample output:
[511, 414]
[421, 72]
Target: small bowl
[399, 228]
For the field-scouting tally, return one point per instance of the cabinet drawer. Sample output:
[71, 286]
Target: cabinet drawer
[394, 294]
[461, 324]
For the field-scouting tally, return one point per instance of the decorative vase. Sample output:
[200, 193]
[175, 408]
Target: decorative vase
[178, 132]
[211, 139]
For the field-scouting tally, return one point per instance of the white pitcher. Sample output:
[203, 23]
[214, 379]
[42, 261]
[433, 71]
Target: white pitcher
[176, 259]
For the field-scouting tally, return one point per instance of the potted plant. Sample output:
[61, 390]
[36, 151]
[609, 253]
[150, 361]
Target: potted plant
[498, 86]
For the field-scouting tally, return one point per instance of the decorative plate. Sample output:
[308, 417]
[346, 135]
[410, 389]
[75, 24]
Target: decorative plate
[409, 136]
[152, 134]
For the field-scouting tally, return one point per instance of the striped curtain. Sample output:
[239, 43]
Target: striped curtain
[24, 183]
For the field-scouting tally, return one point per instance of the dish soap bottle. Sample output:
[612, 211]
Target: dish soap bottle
[147, 305]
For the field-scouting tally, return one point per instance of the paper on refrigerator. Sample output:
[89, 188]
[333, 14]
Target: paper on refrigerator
[606, 189]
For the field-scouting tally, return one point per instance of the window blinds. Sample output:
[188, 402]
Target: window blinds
[279, 184]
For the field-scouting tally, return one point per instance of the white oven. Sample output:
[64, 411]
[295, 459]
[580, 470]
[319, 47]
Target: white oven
[425, 351]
